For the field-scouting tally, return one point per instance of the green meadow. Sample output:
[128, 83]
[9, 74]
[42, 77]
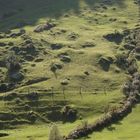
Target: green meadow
[70, 64]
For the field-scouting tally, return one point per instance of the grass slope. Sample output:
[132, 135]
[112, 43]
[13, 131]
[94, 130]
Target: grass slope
[89, 21]
[90, 108]
[128, 129]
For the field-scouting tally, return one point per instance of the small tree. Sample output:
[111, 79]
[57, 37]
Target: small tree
[55, 134]
[54, 69]
[64, 83]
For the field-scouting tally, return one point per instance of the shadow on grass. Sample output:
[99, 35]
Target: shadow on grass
[29, 11]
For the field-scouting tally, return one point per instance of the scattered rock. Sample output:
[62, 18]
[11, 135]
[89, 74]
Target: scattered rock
[10, 43]
[3, 134]
[121, 60]
[56, 46]
[33, 65]
[137, 56]
[29, 57]
[117, 70]
[65, 82]
[114, 8]
[88, 45]
[2, 44]
[17, 76]
[3, 87]
[65, 58]
[129, 46]
[114, 37]
[137, 49]
[2, 36]
[66, 15]
[43, 27]
[15, 49]
[2, 63]
[33, 96]
[104, 7]
[29, 48]
[17, 34]
[32, 117]
[112, 19]
[10, 96]
[69, 113]
[63, 53]
[72, 36]
[56, 66]
[105, 63]
[39, 60]
[86, 73]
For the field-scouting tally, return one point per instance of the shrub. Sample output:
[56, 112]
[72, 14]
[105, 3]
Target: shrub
[12, 63]
[3, 87]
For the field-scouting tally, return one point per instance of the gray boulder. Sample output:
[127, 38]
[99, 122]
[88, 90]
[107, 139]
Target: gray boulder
[18, 76]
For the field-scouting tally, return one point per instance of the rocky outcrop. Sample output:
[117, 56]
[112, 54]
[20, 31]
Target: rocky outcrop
[116, 37]
[43, 27]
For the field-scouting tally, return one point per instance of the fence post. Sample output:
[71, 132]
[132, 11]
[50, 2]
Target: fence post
[52, 93]
[63, 91]
[104, 90]
[80, 92]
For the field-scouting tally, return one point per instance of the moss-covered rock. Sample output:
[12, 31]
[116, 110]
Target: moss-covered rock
[69, 113]
[105, 62]
[43, 27]
[65, 58]
[116, 37]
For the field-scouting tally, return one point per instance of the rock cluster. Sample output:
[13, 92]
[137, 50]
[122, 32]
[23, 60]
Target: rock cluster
[43, 27]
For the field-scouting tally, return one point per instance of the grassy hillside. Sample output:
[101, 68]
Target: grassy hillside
[73, 63]
[79, 35]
